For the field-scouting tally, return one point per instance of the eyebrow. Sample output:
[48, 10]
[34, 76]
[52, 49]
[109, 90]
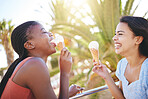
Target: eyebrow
[120, 31]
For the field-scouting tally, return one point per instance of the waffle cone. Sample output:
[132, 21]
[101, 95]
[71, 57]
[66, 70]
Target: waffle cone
[60, 45]
[95, 54]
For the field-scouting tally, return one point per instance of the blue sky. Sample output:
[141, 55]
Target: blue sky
[16, 10]
[20, 11]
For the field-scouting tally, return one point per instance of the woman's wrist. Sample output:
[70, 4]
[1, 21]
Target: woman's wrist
[64, 85]
[64, 74]
[108, 78]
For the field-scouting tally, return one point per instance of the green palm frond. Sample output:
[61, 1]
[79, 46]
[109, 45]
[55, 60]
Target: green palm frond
[105, 15]
[5, 33]
[135, 9]
[145, 14]
[128, 7]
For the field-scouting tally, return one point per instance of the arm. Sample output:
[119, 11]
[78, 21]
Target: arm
[102, 71]
[116, 91]
[65, 67]
[35, 76]
[64, 86]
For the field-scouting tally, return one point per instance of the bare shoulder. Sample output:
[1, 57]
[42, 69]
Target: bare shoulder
[35, 65]
[37, 78]
[32, 65]
[33, 69]
[35, 61]
[31, 72]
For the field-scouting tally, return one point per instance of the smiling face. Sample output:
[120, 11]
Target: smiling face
[40, 41]
[124, 40]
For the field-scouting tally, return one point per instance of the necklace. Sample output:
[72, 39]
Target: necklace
[130, 71]
[139, 63]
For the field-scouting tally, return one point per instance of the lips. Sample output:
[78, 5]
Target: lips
[53, 44]
[117, 45]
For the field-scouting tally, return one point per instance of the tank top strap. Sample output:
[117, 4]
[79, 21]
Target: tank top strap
[19, 66]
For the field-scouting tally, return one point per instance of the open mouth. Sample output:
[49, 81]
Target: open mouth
[117, 45]
[52, 43]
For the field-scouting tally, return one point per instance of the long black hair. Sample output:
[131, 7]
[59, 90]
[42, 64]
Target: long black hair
[18, 37]
[139, 26]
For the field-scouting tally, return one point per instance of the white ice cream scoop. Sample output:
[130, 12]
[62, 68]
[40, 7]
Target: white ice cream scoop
[93, 44]
[94, 49]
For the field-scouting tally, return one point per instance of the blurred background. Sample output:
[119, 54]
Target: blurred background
[79, 22]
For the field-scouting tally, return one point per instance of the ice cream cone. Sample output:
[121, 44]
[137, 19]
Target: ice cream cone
[95, 54]
[94, 49]
[60, 45]
[59, 40]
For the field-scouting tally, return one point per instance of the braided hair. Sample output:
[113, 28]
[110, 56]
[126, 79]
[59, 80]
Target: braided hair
[18, 37]
[139, 26]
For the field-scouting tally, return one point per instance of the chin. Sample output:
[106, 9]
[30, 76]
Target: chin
[117, 52]
[120, 53]
[52, 52]
[55, 51]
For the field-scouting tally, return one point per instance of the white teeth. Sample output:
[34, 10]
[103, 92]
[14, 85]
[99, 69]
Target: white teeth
[117, 45]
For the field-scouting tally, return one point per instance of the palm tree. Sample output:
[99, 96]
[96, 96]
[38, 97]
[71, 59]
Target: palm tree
[102, 15]
[5, 33]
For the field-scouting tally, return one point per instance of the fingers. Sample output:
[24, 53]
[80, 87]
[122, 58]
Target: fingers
[98, 68]
[93, 60]
[78, 88]
[66, 53]
[95, 68]
[63, 51]
[100, 62]
[69, 54]
[97, 63]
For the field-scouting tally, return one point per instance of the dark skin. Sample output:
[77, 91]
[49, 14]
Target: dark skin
[34, 74]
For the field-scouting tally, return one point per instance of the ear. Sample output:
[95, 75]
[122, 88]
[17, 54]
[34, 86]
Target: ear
[28, 45]
[139, 39]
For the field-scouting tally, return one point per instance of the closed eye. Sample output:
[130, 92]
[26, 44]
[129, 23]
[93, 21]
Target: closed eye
[120, 34]
[45, 32]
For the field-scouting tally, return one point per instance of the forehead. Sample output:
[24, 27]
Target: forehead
[123, 26]
[35, 30]
[37, 27]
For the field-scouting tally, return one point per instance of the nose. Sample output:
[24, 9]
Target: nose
[50, 34]
[115, 38]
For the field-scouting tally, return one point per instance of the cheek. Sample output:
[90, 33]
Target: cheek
[125, 40]
[41, 43]
[43, 40]
[128, 44]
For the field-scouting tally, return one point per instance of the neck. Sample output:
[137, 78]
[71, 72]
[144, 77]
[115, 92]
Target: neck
[41, 56]
[135, 60]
